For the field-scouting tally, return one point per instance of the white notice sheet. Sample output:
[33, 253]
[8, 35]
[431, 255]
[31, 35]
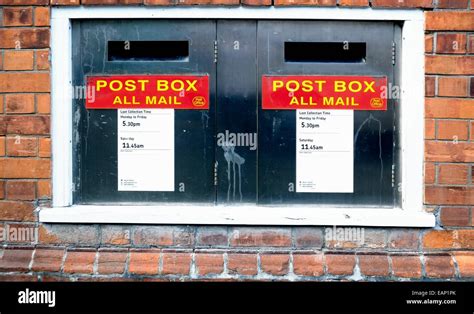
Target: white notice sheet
[324, 151]
[145, 149]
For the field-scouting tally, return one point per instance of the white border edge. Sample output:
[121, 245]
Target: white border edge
[411, 214]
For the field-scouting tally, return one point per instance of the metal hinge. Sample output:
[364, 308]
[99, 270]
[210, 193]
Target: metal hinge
[394, 52]
[215, 51]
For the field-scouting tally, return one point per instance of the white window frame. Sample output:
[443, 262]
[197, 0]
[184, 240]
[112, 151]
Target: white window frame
[411, 213]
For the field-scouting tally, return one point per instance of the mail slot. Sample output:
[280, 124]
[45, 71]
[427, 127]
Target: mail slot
[236, 112]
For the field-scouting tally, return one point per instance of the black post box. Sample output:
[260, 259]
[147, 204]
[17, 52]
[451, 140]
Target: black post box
[235, 150]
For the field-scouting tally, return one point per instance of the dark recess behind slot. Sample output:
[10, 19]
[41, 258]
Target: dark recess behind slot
[337, 52]
[148, 50]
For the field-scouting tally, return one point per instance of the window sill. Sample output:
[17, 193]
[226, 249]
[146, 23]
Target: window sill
[236, 215]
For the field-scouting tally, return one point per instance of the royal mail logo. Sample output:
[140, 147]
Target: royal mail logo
[376, 102]
[199, 101]
[149, 91]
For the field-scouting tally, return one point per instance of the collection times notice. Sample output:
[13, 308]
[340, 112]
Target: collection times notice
[325, 151]
[145, 149]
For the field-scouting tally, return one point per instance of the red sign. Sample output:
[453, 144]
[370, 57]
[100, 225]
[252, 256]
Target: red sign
[148, 91]
[324, 92]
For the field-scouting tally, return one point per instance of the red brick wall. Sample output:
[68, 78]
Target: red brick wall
[127, 252]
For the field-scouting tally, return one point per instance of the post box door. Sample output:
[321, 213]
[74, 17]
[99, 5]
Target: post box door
[237, 152]
[329, 48]
[111, 47]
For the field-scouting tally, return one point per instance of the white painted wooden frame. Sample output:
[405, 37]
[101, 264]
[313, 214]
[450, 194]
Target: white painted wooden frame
[412, 129]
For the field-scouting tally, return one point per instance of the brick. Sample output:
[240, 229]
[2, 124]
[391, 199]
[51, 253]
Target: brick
[449, 21]
[465, 261]
[78, 235]
[2, 105]
[453, 173]
[18, 278]
[429, 43]
[111, 262]
[251, 237]
[2, 146]
[430, 173]
[257, 2]
[144, 263]
[79, 262]
[42, 59]
[403, 239]
[449, 108]
[42, 16]
[44, 189]
[439, 266]
[470, 45]
[406, 266]
[16, 211]
[275, 264]
[308, 264]
[449, 151]
[44, 149]
[308, 237]
[24, 38]
[28, 125]
[452, 4]
[455, 130]
[47, 260]
[354, 3]
[43, 103]
[430, 86]
[16, 60]
[465, 238]
[21, 190]
[471, 91]
[334, 240]
[444, 64]
[211, 236]
[25, 168]
[156, 235]
[453, 86]
[2, 190]
[451, 43]
[65, 2]
[374, 265]
[439, 239]
[340, 264]
[176, 263]
[21, 233]
[17, 16]
[209, 264]
[115, 235]
[449, 195]
[305, 2]
[208, 2]
[242, 264]
[24, 2]
[22, 146]
[402, 3]
[20, 103]
[375, 238]
[24, 82]
[160, 2]
[15, 260]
